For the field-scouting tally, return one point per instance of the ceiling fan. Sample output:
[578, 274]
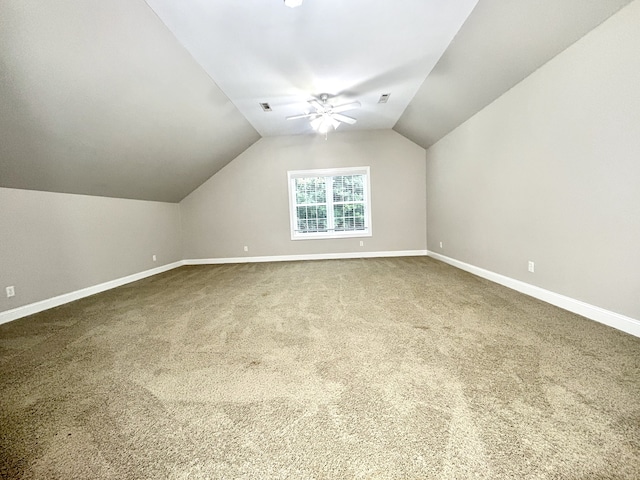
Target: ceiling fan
[326, 115]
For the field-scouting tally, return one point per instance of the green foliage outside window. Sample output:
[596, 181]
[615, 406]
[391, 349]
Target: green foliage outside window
[347, 199]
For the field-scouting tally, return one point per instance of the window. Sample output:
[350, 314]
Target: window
[330, 203]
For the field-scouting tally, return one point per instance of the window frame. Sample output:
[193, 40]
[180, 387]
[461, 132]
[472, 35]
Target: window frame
[329, 172]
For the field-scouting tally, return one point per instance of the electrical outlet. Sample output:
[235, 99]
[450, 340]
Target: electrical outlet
[154, 258]
[11, 291]
[532, 266]
[246, 249]
[440, 244]
[362, 243]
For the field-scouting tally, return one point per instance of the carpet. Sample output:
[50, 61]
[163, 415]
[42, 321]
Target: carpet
[391, 368]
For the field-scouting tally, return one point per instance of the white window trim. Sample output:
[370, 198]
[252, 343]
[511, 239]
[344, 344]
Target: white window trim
[329, 172]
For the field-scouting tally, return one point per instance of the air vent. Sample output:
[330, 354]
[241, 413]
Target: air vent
[384, 98]
[266, 107]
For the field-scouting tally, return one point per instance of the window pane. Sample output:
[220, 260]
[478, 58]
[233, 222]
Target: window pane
[358, 188]
[359, 216]
[349, 216]
[309, 194]
[341, 189]
[321, 189]
[338, 189]
[349, 223]
[301, 191]
[310, 190]
[312, 218]
[348, 188]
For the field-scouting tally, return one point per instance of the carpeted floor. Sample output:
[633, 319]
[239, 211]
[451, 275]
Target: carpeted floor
[401, 368]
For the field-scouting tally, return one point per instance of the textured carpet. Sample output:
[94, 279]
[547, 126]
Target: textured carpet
[401, 368]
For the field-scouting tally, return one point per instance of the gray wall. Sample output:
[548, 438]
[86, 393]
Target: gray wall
[246, 203]
[550, 172]
[55, 243]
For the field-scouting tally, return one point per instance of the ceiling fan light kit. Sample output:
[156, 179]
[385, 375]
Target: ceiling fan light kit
[324, 123]
[326, 116]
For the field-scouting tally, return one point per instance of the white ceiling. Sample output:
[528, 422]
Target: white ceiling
[261, 51]
[101, 98]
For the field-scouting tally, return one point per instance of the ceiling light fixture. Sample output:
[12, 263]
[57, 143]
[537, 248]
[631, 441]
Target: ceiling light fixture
[293, 3]
[326, 116]
[324, 123]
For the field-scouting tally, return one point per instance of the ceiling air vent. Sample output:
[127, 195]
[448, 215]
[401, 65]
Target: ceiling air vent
[266, 107]
[384, 98]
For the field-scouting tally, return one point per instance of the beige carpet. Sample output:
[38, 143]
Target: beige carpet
[352, 369]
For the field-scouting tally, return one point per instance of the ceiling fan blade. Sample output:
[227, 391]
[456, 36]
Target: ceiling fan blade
[345, 106]
[317, 105]
[303, 115]
[344, 118]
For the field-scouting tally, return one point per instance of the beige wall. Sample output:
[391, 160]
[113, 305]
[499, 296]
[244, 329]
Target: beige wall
[246, 203]
[56, 243]
[550, 172]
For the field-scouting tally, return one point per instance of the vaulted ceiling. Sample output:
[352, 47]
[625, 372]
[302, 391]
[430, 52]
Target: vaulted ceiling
[260, 51]
[147, 100]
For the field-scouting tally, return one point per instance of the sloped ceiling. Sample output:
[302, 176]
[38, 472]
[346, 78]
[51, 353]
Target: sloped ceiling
[501, 43]
[101, 98]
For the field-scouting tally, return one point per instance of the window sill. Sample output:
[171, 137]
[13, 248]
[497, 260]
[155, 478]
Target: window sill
[330, 236]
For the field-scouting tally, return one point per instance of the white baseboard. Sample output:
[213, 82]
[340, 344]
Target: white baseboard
[30, 309]
[36, 307]
[612, 319]
[310, 256]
